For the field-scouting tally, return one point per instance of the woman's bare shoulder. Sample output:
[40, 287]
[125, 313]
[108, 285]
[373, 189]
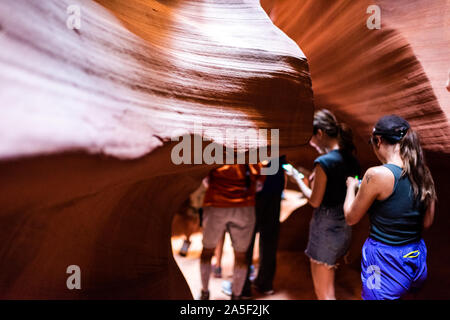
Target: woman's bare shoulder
[378, 174]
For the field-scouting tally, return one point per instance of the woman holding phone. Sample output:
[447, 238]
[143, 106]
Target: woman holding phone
[400, 198]
[329, 235]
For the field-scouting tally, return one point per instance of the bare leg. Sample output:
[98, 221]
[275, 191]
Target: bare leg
[205, 267]
[323, 279]
[219, 251]
[239, 272]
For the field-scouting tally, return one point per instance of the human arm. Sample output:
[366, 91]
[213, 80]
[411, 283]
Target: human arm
[316, 193]
[429, 215]
[256, 177]
[375, 184]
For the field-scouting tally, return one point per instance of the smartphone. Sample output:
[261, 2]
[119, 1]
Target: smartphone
[289, 168]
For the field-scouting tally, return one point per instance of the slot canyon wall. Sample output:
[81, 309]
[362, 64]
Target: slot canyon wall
[87, 119]
[88, 116]
[362, 74]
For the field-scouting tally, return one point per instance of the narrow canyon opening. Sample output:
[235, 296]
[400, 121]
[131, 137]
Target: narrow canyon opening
[95, 97]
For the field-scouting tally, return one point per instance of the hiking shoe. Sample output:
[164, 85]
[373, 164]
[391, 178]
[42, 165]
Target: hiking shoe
[252, 275]
[217, 272]
[184, 248]
[226, 287]
[204, 295]
[264, 291]
[247, 295]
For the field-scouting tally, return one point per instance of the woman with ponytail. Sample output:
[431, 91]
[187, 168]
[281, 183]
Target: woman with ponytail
[329, 235]
[400, 198]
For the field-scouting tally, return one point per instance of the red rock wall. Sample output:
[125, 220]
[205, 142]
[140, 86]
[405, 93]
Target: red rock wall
[87, 118]
[362, 74]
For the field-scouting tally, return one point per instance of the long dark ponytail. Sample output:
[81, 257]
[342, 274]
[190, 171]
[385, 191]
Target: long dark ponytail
[415, 167]
[328, 123]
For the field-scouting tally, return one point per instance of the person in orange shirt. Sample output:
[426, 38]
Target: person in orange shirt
[229, 205]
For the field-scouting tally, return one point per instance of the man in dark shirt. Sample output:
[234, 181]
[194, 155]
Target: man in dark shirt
[267, 209]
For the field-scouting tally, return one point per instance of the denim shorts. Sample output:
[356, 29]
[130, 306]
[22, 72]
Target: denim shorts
[389, 272]
[329, 235]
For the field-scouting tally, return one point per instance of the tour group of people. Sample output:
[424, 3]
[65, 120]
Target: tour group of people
[399, 196]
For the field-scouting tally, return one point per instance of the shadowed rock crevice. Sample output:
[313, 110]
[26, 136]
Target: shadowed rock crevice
[87, 116]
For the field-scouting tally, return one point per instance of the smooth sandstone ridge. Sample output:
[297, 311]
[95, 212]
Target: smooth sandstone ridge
[363, 73]
[87, 118]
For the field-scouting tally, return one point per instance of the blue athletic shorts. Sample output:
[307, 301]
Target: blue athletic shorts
[389, 272]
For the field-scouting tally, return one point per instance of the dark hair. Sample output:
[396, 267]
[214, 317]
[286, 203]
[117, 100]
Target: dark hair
[327, 122]
[415, 167]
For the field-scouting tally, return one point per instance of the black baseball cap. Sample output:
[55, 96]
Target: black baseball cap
[392, 127]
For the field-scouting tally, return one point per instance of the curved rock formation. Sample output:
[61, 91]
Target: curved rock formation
[87, 119]
[88, 115]
[362, 74]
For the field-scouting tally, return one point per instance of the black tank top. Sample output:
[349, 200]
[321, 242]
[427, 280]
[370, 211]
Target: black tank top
[337, 165]
[397, 220]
